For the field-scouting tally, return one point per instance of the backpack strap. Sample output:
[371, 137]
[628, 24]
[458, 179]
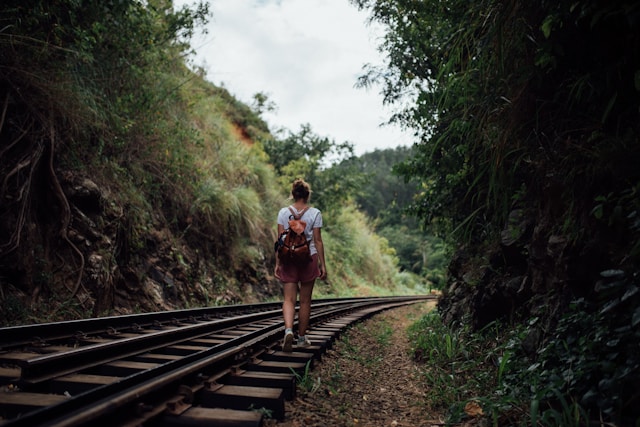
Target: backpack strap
[293, 214]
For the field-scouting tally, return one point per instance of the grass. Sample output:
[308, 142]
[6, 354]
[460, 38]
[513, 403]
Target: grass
[267, 413]
[50, 308]
[380, 331]
[463, 370]
[306, 381]
[456, 369]
[567, 413]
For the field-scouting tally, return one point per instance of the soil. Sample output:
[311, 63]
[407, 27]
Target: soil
[368, 379]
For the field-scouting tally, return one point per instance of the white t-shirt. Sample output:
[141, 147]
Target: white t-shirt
[313, 218]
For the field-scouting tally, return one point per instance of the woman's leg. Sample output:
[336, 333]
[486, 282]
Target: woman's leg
[289, 304]
[306, 289]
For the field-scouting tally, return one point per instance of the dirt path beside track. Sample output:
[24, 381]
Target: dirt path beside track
[368, 379]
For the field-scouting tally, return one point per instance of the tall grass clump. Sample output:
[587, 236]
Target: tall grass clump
[467, 372]
[448, 353]
[235, 201]
[359, 261]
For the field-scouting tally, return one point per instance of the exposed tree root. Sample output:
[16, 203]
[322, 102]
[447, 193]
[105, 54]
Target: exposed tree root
[66, 209]
[23, 198]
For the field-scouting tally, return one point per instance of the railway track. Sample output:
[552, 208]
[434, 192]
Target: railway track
[220, 366]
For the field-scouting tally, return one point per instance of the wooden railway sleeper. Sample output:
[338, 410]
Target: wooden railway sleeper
[238, 389]
[177, 406]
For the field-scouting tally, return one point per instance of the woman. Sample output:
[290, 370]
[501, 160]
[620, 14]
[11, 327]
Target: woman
[300, 277]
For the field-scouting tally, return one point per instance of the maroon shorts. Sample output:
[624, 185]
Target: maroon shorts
[300, 273]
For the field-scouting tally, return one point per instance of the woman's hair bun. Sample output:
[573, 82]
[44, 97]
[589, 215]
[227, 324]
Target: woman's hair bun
[300, 190]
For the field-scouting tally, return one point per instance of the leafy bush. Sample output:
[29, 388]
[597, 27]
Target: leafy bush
[588, 368]
[592, 355]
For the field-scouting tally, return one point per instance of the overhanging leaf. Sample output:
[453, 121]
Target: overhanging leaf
[610, 306]
[635, 320]
[630, 292]
[612, 273]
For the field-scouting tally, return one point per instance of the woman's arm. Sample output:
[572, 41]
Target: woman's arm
[276, 271]
[317, 238]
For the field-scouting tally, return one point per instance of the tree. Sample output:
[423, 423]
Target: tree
[385, 194]
[315, 159]
[261, 103]
[386, 198]
[528, 106]
[527, 113]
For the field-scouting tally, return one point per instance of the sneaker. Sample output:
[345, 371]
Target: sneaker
[303, 342]
[287, 343]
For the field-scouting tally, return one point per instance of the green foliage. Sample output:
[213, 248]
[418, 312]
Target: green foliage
[109, 80]
[412, 283]
[17, 311]
[305, 380]
[235, 198]
[97, 78]
[533, 106]
[359, 259]
[385, 198]
[107, 55]
[304, 144]
[314, 158]
[587, 368]
[563, 413]
[417, 251]
[267, 413]
[592, 354]
[463, 368]
[508, 96]
[261, 103]
[240, 114]
[101, 89]
[231, 209]
[457, 370]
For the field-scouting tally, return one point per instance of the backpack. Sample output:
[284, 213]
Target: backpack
[292, 245]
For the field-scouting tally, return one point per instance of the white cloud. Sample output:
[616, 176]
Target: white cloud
[306, 55]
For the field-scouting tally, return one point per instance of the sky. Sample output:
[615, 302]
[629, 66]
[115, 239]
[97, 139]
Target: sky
[306, 56]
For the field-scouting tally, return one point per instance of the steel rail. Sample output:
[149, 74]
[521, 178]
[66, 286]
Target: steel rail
[170, 373]
[16, 336]
[52, 365]
[101, 401]
[47, 366]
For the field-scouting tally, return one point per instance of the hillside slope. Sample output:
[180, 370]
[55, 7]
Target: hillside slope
[129, 183]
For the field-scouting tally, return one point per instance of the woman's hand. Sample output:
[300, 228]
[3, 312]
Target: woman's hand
[323, 273]
[276, 271]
